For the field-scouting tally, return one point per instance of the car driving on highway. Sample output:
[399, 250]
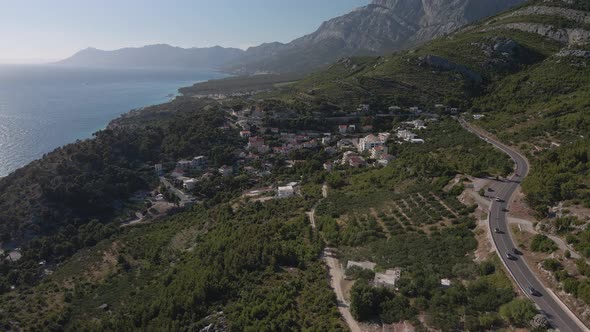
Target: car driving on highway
[533, 291]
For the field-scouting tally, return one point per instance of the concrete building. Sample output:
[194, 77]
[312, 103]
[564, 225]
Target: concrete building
[256, 143]
[387, 279]
[378, 151]
[353, 159]
[199, 162]
[183, 164]
[418, 124]
[406, 135]
[189, 184]
[285, 192]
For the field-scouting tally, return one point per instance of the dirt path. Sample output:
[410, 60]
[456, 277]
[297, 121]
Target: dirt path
[336, 277]
[336, 273]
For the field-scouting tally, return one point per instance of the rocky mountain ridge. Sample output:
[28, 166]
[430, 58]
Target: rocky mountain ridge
[381, 27]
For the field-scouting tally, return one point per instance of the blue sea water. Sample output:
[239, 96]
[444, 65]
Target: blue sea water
[43, 107]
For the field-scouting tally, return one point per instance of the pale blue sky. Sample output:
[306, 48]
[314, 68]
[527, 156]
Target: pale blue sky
[33, 30]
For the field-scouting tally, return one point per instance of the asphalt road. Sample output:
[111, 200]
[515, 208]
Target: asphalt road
[559, 316]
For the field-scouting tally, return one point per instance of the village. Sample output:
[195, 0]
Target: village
[265, 148]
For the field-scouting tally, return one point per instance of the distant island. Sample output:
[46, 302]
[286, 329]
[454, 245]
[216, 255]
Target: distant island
[161, 55]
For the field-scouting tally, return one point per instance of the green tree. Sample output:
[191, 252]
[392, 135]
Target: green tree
[518, 312]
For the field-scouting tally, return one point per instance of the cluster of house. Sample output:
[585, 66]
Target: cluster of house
[409, 136]
[288, 141]
[184, 166]
[372, 145]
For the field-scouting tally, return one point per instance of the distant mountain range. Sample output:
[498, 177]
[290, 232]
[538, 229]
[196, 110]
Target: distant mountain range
[156, 56]
[383, 26]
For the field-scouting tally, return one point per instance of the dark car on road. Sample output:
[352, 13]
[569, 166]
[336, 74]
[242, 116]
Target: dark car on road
[533, 291]
[510, 256]
[497, 230]
[516, 251]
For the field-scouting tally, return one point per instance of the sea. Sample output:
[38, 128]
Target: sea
[43, 107]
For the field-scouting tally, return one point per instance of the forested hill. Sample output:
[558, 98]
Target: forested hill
[239, 263]
[525, 70]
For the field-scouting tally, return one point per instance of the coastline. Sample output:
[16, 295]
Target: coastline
[56, 132]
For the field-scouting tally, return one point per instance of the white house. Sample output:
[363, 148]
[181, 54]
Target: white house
[369, 142]
[189, 184]
[406, 135]
[418, 124]
[286, 191]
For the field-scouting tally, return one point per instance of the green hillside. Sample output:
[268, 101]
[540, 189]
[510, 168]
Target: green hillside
[241, 264]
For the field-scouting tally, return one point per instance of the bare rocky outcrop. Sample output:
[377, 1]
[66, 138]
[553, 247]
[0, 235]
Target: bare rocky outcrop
[382, 27]
[573, 53]
[443, 64]
[562, 35]
[570, 14]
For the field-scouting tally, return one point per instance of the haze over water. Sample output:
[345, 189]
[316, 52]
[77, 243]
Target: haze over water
[44, 107]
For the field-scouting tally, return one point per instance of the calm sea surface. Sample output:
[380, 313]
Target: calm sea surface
[44, 107]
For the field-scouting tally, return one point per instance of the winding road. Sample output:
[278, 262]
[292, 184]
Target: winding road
[559, 315]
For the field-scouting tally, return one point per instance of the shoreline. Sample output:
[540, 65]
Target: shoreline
[166, 97]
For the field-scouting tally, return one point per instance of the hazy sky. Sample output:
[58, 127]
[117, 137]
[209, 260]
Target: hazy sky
[36, 30]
